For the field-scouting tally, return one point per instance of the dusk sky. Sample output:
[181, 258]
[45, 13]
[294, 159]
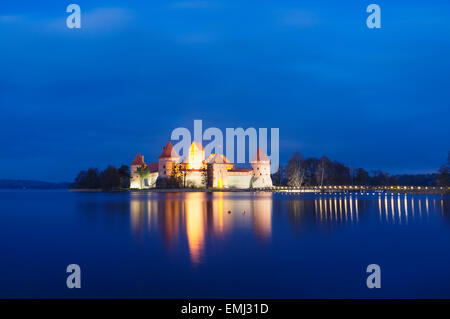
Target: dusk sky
[73, 99]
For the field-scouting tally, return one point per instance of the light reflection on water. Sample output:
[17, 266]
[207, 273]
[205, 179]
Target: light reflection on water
[197, 215]
[391, 208]
[179, 245]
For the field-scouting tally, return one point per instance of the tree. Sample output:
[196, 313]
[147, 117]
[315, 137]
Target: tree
[417, 179]
[392, 180]
[324, 168]
[143, 173]
[278, 178]
[174, 179]
[444, 174]
[89, 179]
[205, 176]
[161, 182]
[310, 166]
[110, 178]
[362, 177]
[379, 178]
[80, 180]
[176, 176]
[341, 174]
[124, 172]
[294, 170]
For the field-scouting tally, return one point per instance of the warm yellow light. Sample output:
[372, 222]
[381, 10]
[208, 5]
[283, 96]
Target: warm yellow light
[195, 229]
[196, 157]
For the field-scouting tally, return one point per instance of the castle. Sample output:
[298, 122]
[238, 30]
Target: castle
[197, 171]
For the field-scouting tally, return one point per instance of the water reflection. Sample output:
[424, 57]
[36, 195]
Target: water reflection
[336, 209]
[197, 219]
[391, 208]
[197, 215]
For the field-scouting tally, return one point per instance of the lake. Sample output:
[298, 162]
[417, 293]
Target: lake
[222, 245]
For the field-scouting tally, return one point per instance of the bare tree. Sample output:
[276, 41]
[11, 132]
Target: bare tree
[322, 169]
[295, 172]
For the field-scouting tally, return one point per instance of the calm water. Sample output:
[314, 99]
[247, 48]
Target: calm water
[189, 245]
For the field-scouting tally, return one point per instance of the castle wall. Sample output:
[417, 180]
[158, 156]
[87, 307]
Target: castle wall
[148, 182]
[135, 183]
[194, 178]
[262, 181]
[219, 175]
[152, 179]
[261, 169]
[241, 180]
[261, 175]
[165, 166]
[134, 178]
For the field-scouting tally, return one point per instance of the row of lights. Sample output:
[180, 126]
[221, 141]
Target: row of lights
[356, 187]
[356, 193]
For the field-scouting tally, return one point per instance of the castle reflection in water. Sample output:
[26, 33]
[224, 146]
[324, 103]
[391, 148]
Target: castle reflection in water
[196, 215]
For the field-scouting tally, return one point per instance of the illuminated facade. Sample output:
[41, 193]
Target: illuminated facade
[197, 171]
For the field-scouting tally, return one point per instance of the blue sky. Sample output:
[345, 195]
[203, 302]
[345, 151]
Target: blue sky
[73, 99]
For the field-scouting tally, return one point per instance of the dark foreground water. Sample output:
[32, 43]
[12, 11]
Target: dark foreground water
[189, 245]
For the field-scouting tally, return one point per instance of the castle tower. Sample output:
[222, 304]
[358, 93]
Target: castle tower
[168, 157]
[261, 169]
[218, 167]
[196, 156]
[135, 181]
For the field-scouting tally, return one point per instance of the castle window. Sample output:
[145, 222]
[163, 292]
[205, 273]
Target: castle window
[164, 172]
[164, 166]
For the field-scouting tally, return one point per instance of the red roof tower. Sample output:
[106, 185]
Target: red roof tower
[138, 161]
[260, 156]
[168, 151]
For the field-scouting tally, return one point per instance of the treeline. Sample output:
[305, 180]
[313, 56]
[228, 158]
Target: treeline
[300, 171]
[444, 173]
[109, 179]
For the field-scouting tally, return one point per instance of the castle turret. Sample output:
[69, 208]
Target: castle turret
[261, 169]
[196, 156]
[168, 157]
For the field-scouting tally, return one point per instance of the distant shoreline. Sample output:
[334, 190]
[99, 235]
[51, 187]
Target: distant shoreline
[32, 184]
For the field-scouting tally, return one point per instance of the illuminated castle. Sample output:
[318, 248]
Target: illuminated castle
[197, 171]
